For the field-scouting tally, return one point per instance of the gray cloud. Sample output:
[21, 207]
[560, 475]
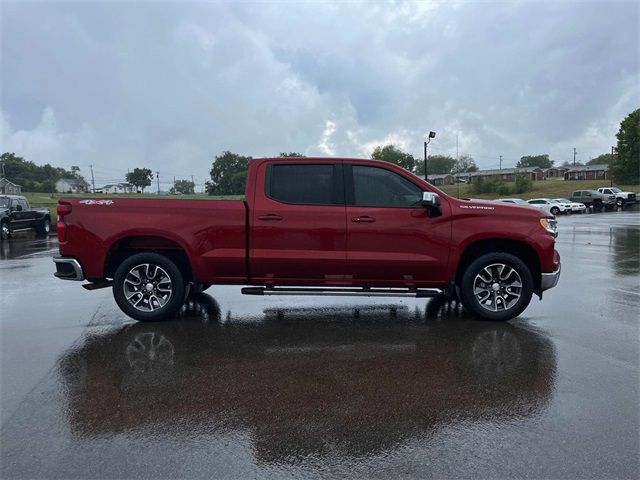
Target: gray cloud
[169, 85]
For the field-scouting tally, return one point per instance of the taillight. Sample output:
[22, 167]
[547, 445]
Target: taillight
[64, 208]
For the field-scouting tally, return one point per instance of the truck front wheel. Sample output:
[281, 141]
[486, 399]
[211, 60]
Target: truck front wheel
[148, 287]
[496, 286]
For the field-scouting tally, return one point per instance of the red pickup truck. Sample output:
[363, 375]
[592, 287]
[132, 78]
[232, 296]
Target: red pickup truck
[312, 226]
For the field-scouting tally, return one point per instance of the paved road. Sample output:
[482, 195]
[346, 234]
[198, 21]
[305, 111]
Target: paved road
[245, 387]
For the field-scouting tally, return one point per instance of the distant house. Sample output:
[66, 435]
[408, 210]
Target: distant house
[555, 172]
[506, 174]
[443, 179]
[9, 188]
[73, 185]
[588, 172]
[123, 187]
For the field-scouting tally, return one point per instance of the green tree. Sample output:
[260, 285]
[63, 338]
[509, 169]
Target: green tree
[140, 178]
[541, 161]
[32, 177]
[291, 154]
[604, 159]
[392, 154]
[627, 164]
[186, 187]
[228, 174]
[437, 164]
[465, 164]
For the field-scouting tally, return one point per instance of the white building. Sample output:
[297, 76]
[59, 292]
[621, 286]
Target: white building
[9, 188]
[123, 187]
[72, 185]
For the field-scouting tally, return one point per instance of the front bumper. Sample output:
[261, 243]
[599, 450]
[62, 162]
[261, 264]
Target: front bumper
[550, 280]
[68, 268]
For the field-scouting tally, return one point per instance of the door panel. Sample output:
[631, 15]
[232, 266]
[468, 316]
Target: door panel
[293, 243]
[396, 244]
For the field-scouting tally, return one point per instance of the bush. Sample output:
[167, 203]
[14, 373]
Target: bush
[523, 183]
[504, 190]
[492, 185]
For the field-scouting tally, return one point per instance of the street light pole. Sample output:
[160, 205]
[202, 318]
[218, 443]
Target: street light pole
[431, 135]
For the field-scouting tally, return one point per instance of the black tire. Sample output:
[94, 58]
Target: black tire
[555, 211]
[5, 231]
[597, 206]
[45, 227]
[165, 304]
[620, 202]
[509, 291]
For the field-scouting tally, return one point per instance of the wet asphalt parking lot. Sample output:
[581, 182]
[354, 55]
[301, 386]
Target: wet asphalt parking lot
[253, 387]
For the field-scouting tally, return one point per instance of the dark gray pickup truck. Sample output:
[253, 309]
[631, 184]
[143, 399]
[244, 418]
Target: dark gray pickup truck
[16, 214]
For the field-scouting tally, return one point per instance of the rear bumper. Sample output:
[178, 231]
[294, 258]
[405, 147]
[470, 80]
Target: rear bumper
[68, 268]
[550, 280]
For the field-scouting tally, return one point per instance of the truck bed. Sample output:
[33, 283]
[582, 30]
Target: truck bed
[211, 232]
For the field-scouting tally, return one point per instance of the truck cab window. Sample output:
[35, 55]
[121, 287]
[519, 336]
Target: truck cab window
[305, 184]
[377, 187]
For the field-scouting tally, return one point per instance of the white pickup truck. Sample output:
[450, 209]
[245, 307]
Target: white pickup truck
[622, 198]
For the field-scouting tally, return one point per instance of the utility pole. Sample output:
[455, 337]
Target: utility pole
[158, 178]
[93, 183]
[500, 162]
[614, 150]
[574, 156]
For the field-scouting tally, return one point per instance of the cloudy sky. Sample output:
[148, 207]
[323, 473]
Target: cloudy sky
[170, 85]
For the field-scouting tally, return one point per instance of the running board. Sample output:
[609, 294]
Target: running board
[344, 292]
[97, 285]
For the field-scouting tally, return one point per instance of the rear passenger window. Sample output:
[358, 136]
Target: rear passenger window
[306, 184]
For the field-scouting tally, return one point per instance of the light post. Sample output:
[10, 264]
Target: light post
[612, 164]
[431, 135]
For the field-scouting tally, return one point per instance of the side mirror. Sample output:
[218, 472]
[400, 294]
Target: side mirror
[19, 208]
[430, 199]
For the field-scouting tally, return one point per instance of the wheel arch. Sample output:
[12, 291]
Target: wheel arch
[124, 247]
[522, 250]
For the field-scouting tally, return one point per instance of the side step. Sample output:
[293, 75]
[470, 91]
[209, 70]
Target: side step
[344, 292]
[97, 285]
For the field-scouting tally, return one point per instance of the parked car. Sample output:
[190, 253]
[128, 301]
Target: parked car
[622, 198]
[576, 207]
[594, 199]
[546, 204]
[313, 226]
[517, 201]
[16, 214]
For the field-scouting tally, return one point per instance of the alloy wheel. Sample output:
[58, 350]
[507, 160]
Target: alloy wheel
[147, 287]
[497, 287]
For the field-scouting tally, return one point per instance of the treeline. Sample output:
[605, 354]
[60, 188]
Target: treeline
[32, 177]
[229, 170]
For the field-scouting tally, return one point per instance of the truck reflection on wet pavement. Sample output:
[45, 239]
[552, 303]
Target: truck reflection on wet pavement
[305, 385]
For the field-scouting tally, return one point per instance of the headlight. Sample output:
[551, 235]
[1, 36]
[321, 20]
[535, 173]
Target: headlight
[550, 225]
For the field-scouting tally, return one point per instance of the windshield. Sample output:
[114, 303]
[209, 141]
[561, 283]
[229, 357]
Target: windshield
[616, 190]
[562, 200]
[4, 202]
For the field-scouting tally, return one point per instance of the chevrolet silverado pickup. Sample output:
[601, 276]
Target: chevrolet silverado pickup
[312, 226]
[17, 214]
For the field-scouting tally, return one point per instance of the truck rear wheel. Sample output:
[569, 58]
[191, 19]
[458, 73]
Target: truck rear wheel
[496, 286]
[148, 287]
